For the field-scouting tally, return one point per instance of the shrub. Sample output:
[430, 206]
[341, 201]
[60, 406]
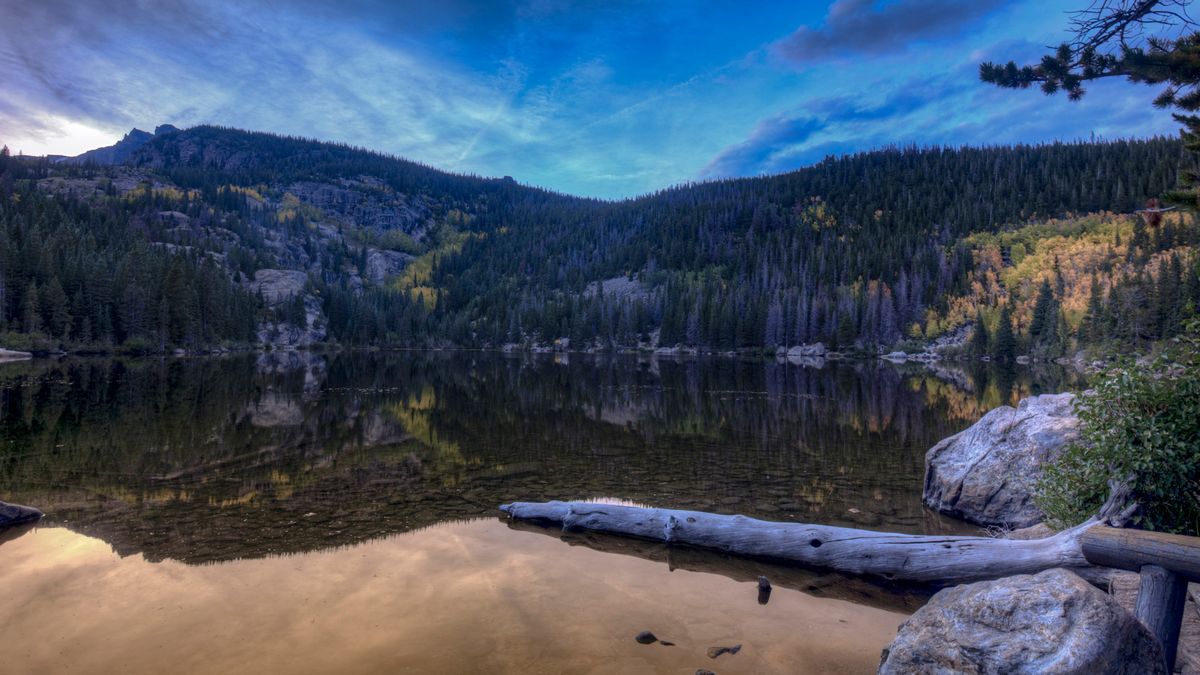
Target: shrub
[37, 343]
[1141, 422]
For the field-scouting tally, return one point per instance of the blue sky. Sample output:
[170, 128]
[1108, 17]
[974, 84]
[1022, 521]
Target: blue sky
[607, 99]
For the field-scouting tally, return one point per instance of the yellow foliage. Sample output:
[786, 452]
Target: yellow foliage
[249, 192]
[416, 276]
[167, 192]
[447, 460]
[1070, 251]
[291, 208]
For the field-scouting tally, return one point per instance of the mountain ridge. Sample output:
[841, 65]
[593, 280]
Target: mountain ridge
[858, 252]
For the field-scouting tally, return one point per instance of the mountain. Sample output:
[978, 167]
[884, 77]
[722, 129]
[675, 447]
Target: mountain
[878, 250]
[120, 151]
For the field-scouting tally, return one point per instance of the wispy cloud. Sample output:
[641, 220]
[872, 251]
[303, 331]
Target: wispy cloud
[951, 109]
[872, 27]
[606, 98]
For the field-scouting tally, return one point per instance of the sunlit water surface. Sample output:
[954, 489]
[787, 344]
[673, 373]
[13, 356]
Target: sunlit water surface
[294, 513]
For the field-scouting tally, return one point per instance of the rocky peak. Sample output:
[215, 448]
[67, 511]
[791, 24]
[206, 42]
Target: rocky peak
[118, 152]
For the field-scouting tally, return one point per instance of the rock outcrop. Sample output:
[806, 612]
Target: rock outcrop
[382, 265]
[288, 335]
[987, 473]
[1052, 622]
[277, 287]
[808, 355]
[12, 515]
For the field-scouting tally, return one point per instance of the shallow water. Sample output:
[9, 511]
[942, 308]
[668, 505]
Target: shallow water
[301, 513]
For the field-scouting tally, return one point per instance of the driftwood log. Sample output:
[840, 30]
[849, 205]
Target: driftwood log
[894, 557]
[1093, 549]
[926, 559]
[892, 597]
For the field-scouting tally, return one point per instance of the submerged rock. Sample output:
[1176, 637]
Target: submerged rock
[764, 590]
[646, 638]
[1052, 622]
[12, 515]
[987, 473]
[714, 652]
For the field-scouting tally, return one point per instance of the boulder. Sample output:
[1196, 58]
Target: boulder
[987, 473]
[1052, 622]
[808, 355]
[12, 515]
[815, 349]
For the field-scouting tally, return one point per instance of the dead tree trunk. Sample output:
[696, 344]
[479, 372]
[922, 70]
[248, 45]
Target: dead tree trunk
[899, 557]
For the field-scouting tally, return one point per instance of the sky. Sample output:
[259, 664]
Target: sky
[610, 99]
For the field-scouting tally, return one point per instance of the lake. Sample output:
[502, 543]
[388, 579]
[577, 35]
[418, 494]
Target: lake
[295, 513]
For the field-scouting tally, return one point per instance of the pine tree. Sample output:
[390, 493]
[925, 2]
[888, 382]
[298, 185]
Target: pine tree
[1093, 329]
[1115, 39]
[979, 338]
[1004, 344]
[1045, 314]
[56, 316]
[32, 321]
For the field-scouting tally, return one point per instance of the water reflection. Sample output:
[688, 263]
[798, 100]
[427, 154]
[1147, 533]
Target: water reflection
[471, 597]
[201, 460]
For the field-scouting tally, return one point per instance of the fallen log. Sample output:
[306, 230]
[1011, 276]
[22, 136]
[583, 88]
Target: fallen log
[894, 557]
[892, 597]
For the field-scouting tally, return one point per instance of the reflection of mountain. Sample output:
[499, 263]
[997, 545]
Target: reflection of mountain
[209, 459]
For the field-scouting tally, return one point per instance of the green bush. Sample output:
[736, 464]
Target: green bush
[37, 343]
[1142, 421]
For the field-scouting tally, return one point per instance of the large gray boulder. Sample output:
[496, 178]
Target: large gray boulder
[1052, 622]
[987, 473]
[12, 515]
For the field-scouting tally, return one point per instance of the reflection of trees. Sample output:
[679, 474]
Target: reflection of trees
[203, 459]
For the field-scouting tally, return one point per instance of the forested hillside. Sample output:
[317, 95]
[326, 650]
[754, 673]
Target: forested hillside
[250, 237]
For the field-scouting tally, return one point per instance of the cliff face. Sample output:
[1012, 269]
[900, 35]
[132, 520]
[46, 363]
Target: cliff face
[276, 219]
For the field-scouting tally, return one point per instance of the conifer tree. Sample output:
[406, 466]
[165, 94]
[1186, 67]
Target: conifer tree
[1153, 42]
[32, 322]
[1004, 345]
[979, 338]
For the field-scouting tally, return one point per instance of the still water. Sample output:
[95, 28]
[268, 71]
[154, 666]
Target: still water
[297, 513]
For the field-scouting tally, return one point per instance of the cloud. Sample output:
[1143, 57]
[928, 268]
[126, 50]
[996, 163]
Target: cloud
[244, 65]
[604, 98]
[950, 109]
[784, 142]
[769, 138]
[869, 27]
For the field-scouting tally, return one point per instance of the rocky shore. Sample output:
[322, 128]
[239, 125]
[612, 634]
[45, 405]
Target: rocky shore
[1049, 622]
